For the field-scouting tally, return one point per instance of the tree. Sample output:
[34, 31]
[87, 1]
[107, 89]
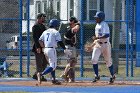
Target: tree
[50, 12]
[116, 33]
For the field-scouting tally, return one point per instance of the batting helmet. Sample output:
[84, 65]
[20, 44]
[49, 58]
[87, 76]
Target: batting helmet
[72, 18]
[54, 23]
[100, 15]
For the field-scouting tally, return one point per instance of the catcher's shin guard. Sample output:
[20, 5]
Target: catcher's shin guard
[39, 77]
[71, 75]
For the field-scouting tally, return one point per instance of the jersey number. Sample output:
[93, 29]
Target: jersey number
[48, 34]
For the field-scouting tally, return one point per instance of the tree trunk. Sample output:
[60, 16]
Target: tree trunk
[116, 34]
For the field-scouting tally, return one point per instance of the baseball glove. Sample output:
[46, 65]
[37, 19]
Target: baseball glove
[88, 47]
[89, 44]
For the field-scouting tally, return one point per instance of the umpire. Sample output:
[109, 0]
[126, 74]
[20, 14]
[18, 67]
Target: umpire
[37, 30]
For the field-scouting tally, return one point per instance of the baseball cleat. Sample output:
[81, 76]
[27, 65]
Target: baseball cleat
[43, 78]
[35, 76]
[112, 79]
[71, 81]
[96, 79]
[56, 82]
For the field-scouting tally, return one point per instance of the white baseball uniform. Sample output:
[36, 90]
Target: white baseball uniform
[102, 46]
[50, 37]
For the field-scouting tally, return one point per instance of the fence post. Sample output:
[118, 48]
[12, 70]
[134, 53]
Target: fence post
[131, 25]
[127, 48]
[28, 37]
[81, 38]
[20, 32]
[137, 33]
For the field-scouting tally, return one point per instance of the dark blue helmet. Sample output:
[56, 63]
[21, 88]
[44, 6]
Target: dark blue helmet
[100, 15]
[54, 23]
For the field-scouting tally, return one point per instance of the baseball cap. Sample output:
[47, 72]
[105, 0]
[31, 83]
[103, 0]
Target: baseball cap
[41, 15]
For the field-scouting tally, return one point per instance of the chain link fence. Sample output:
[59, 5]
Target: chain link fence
[18, 16]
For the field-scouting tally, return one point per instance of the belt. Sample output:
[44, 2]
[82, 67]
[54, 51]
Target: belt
[102, 42]
[48, 47]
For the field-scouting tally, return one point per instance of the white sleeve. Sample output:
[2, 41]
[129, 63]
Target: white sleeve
[105, 29]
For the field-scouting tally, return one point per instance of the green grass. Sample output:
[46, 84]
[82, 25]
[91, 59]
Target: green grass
[88, 70]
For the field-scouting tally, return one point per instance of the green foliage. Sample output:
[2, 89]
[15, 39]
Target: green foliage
[51, 13]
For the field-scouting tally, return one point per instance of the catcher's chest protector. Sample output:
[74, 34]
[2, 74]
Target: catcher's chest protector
[70, 38]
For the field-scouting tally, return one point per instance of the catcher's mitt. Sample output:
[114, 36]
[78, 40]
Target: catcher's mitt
[88, 46]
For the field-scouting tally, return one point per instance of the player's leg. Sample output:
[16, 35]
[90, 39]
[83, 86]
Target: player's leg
[50, 53]
[54, 81]
[73, 62]
[39, 61]
[95, 57]
[108, 60]
[70, 64]
[65, 73]
[45, 62]
[52, 57]
[44, 65]
[71, 73]
[5, 65]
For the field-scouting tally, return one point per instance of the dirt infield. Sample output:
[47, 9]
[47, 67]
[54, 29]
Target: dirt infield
[77, 83]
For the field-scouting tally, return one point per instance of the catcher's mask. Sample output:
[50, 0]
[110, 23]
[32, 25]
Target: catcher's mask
[41, 15]
[72, 18]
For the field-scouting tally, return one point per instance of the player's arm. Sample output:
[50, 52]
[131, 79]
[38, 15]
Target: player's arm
[66, 51]
[41, 43]
[61, 44]
[36, 36]
[76, 28]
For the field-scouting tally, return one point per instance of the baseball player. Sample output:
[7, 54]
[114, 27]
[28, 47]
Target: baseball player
[48, 40]
[102, 46]
[70, 41]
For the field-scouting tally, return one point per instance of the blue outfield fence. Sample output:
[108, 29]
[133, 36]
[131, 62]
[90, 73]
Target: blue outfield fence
[25, 15]
[137, 35]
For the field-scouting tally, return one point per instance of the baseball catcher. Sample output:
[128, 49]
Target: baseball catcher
[70, 42]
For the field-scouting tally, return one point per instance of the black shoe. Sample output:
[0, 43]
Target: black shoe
[43, 78]
[34, 77]
[112, 79]
[56, 82]
[96, 79]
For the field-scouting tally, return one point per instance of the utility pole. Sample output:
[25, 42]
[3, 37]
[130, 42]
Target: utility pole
[116, 33]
